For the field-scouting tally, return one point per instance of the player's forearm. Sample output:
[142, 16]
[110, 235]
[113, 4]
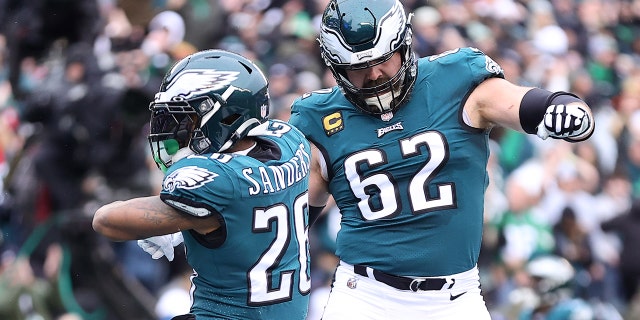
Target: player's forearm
[137, 219]
[318, 186]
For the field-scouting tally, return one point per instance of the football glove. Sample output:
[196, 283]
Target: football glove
[570, 122]
[159, 246]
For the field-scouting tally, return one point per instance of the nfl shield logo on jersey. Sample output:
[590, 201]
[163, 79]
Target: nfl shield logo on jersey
[352, 283]
[386, 116]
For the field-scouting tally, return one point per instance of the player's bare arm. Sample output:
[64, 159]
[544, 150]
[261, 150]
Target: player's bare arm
[494, 102]
[146, 217]
[318, 186]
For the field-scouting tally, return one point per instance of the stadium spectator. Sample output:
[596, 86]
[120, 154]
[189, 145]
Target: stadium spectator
[627, 227]
[598, 62]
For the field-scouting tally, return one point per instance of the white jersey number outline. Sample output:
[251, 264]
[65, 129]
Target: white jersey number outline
[260, 276]
[382, 184]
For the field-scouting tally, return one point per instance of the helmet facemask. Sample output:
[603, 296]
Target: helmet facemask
[173, 128]
[381, 97]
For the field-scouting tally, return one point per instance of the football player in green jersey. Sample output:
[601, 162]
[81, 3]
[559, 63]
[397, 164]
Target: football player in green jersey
[235, 191]
[401, 144]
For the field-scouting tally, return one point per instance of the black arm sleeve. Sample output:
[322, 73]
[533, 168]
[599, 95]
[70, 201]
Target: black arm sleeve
[314, 214]
[534, 104]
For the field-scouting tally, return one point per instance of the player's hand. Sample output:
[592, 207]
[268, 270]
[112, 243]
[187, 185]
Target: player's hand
[159, 246]
[572, 122]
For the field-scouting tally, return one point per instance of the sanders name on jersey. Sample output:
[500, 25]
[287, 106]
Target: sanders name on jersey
[271, 179]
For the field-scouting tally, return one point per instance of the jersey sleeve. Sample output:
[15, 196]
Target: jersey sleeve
[314, 113]
[197, 186]
[482, 67]
[297, 119]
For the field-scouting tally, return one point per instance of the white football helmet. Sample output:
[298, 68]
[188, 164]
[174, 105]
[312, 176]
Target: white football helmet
[358, 34]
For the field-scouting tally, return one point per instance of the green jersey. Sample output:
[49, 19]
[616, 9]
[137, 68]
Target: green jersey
[409, 184]
[256, 265]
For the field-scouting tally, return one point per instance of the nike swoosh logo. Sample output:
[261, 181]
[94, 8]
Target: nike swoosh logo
[452, 297]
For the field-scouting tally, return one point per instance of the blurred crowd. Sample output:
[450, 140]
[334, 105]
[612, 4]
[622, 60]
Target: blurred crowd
[76, 78]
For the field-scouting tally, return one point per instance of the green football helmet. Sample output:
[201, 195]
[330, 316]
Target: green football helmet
[358, 34]
[206, 103]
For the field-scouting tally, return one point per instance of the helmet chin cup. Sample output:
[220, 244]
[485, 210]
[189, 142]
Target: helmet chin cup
[380, 103]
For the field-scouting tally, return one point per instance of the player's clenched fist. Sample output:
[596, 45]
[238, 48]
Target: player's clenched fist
[570, 122]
